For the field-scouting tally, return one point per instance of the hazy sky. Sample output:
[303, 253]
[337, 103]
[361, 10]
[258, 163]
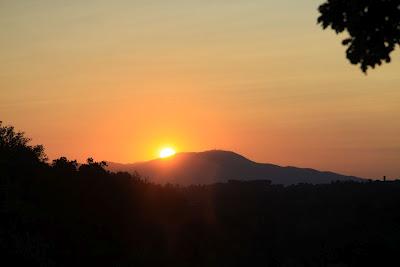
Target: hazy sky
[117, 80]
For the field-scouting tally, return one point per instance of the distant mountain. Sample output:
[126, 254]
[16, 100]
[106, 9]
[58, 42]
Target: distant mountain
[220, 166]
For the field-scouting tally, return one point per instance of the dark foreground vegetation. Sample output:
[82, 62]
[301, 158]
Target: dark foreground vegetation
[65, 214]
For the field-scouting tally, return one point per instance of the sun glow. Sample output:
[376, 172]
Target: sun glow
[167, 152]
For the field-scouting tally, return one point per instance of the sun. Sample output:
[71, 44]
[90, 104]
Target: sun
[167, 152]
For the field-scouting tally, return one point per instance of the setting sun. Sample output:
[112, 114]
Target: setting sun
[167, 152]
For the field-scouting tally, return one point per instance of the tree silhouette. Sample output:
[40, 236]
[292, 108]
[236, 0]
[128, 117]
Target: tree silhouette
[15, 144]
[93, 169]
[17, 156]
[64, 167]
[65, 215]
[373, 27]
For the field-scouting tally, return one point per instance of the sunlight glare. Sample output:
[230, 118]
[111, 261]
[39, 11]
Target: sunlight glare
[167, 152]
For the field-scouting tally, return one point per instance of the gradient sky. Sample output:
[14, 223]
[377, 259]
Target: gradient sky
[118, 80]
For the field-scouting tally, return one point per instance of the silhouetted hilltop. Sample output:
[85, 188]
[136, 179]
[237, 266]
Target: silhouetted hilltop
[68, 214]
[220, 166]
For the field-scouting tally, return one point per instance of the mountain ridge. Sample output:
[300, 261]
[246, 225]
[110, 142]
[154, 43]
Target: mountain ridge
[215, 166]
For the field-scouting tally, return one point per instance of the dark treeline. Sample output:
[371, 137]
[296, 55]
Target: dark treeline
[68, 214]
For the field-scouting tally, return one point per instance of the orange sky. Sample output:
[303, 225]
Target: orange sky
[117, 80]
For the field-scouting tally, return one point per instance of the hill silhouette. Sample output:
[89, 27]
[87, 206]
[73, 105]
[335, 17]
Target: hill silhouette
[216, 166]
[68, 214]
